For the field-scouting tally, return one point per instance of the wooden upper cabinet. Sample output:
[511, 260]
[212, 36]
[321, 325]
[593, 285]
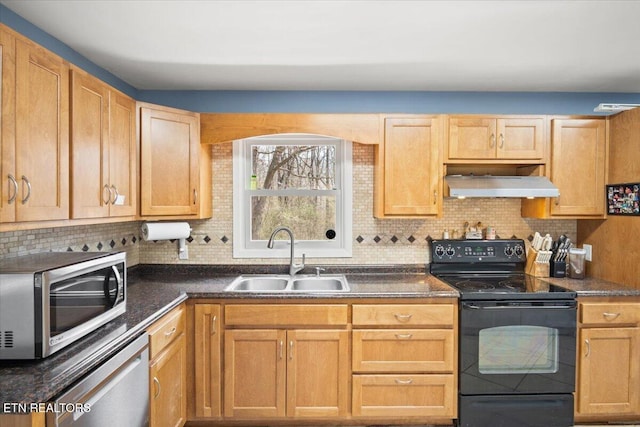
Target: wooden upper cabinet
[123, 161]
[8, 182]
[408, 168]
[175, 169]
[89, 147]
[489, 138]
[103, 149]
[578, 166]
[41, 134]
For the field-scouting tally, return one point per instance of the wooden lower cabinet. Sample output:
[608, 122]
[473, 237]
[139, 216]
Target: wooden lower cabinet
[404, 396]
[168, 373]
[608, 382]
[276, 373]
[168, 370]
[207, 361]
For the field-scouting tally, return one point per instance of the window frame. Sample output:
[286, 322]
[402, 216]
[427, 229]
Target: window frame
[244, 247]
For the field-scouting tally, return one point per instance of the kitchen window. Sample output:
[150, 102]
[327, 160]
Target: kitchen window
[295, 180]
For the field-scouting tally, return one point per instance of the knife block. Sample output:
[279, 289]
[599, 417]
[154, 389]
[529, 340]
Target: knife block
[533, 268]
[558, 269]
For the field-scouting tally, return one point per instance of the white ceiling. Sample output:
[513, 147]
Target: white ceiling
[557, 45]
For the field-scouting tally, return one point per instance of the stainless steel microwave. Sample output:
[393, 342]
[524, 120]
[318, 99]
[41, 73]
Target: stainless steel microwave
[49, 300]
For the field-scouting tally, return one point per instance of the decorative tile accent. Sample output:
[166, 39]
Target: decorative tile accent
[359, 239]
[207, 239]
[394, 239]
[377, 239]
[411, 239]
[224, 239]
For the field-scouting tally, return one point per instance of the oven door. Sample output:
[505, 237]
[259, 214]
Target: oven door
[77, 301]
[517, 347]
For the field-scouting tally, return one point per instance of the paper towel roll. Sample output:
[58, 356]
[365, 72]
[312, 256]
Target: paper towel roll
[165, 230]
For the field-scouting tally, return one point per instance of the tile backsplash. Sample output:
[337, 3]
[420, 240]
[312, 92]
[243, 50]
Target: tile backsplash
[375, 241]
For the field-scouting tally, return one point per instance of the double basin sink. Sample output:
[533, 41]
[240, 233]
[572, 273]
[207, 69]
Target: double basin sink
[283, 283]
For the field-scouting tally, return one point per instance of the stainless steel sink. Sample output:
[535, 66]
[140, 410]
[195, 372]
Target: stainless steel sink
[284, 283]
[320, 284]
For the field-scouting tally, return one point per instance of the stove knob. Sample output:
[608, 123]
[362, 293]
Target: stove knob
[439, 251]
[508, 251]
[519, 251]
[451, 251]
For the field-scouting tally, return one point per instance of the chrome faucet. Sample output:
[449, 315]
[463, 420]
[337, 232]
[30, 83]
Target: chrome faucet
[293, 268]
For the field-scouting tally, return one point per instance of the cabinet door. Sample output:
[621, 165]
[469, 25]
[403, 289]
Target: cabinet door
[207, 360]
[317, 373]
[520, 138]
[578, 166]
[472, 138]
[608, 371]
[254, 373]
[42, 134]
[169, 159]
[89, 147]
[8, 180]
[411, 166]
[168, 386]
[123, 170]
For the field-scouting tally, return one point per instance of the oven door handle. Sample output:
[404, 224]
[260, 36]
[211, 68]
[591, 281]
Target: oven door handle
[511, 307]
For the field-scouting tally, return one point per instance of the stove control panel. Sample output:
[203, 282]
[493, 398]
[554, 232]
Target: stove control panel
[474, 251]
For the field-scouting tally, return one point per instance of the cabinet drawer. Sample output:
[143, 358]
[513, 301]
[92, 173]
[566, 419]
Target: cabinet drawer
[262, 315]
[404, 396]
[609, 313]
[403, 350]
[404, 315]
[165, 330]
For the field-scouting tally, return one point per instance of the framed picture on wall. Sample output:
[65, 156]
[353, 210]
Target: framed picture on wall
[623, 199]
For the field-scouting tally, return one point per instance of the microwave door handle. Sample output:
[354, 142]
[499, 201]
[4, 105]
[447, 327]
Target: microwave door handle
[118, 284]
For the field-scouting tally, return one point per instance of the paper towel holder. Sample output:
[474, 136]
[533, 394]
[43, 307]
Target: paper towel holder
[180, 235]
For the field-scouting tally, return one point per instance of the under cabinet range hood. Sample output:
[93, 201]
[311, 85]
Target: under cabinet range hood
[462, 186]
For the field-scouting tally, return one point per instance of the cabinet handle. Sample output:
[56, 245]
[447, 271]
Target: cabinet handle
[404, 336]
[405, 382]
[557, 200]
[588, 345]
[195, 196]
[291, 350]
[214, 319]
[115, 194]
[26, 181]
[156, 382]
[171, 332]
[15, 189]
[435, 197]
[492, 141]
[281, 350]
[106, 192]
[501, 141]
[610, 316]
[403, 317]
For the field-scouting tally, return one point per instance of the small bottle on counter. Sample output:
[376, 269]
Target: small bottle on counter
[491, 233]
[445, 234]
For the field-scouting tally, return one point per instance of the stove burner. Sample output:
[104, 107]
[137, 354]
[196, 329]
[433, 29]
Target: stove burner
[512, 284]
[474, 285]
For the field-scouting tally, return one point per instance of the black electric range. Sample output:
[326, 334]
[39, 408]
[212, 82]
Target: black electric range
[490, 270]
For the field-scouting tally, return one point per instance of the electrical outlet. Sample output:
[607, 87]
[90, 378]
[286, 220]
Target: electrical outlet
[588, 249]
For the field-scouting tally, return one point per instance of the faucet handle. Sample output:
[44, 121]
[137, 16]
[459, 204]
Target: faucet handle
[318, 270]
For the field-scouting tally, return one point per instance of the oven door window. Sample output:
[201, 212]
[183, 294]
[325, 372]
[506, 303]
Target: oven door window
[76, 300]
[518, 349]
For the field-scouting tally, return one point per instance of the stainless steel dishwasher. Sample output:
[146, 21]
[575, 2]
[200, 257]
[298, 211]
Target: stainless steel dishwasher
[114, 394]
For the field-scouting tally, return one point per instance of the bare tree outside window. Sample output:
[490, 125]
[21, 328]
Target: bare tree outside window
[293, 167]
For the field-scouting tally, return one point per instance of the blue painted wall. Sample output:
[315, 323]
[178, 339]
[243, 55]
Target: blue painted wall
[334, 101]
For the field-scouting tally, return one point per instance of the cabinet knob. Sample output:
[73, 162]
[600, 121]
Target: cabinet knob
[588, 346]
[195, 196]
[610, 316]
[214, 319]
[404, 382]
[492, 141]
[501, 141]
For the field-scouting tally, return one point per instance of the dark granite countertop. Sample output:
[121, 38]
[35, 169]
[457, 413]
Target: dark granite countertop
[593, 287]
[153, 290]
